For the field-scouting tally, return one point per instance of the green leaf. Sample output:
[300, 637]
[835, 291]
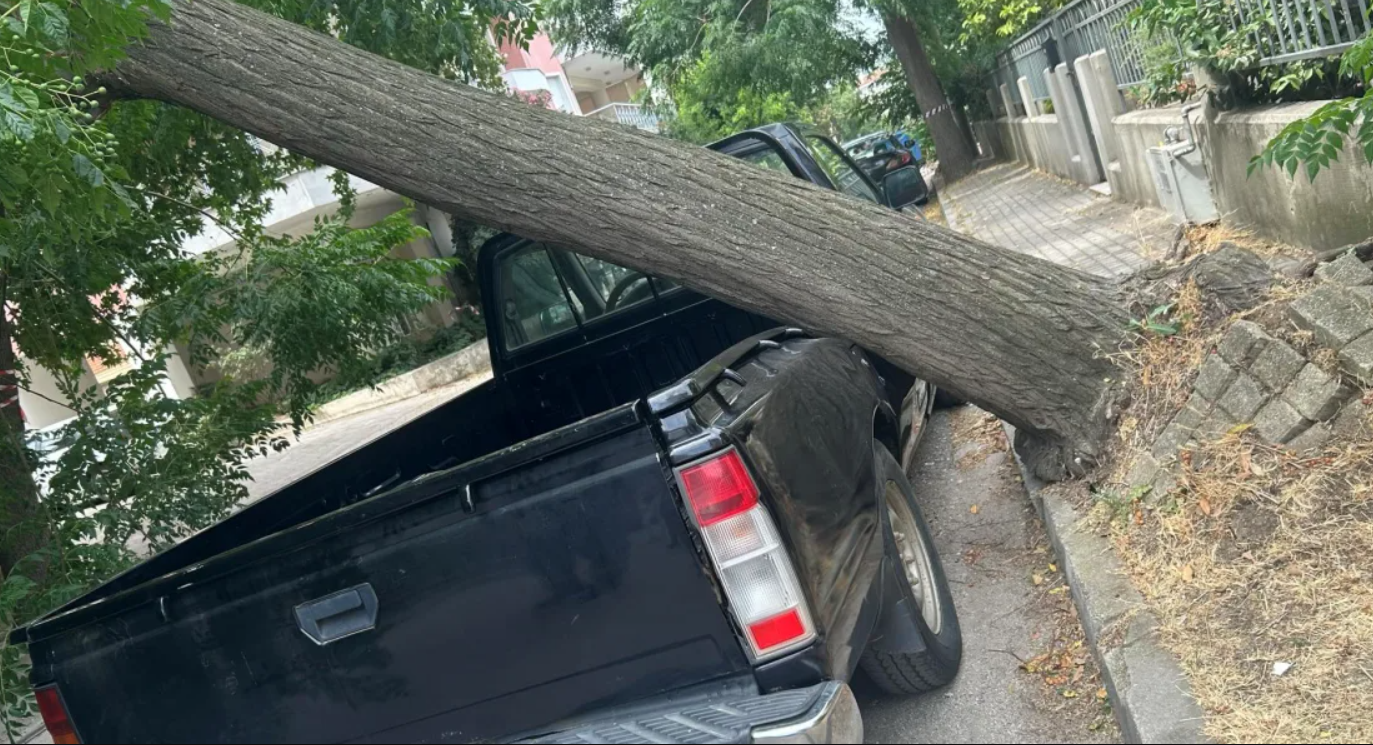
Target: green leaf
[17, 125]
[13, 174]
[1291, 165]
[28, 97]
[87, 170]
[50, 193]
[1313, 167]
[60, 128]
[25, 12]
[53, 23]
[123, 194]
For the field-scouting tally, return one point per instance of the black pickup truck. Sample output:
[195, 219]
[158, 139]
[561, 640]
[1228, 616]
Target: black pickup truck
[664, 519]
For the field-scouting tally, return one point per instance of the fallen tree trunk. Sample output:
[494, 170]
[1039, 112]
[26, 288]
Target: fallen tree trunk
[1019, 336]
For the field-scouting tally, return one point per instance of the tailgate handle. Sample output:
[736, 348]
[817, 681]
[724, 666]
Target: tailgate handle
[339, 615]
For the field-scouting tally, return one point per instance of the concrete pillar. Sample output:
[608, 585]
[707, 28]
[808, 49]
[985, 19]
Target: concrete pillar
[1097, 116]
[1069, 111]
[1066, 146]
[600, 98]
[1110, 105]
[440, 228]
[1106, 79]
[1027, 96]
[1007, 103]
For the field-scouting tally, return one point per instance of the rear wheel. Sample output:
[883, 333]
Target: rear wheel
[926, 589]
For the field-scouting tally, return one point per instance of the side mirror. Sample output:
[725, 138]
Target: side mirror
[904, 187]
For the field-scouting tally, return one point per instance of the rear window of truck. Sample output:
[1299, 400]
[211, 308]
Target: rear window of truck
[545, 292]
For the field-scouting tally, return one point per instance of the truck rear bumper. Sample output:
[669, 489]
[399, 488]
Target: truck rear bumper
[824, 713]
[832, 718]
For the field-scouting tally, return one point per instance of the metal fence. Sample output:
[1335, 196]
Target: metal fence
[1288, 30]
[1294, 30]
[1079, 28]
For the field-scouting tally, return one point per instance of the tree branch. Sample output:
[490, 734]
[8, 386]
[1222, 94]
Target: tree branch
[98, 313]
[47, 398]
[238, 237]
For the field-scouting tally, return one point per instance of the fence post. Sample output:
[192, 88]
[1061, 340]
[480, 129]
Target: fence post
[1070, 113]
[1027, 96]
[1007, 102]
[1062, 108]
[1097, 114]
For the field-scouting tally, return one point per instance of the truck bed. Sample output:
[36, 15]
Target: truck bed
[569, 548]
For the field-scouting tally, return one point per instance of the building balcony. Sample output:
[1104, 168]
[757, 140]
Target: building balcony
[631, 114]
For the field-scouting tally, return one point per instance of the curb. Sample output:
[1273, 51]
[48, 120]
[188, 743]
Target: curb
[1149, 692]
[470, 361]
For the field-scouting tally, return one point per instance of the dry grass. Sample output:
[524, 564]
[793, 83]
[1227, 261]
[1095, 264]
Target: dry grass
[934, 211]
[1207, 238]
[976, 434]
[1165, 368]
[1258, 556]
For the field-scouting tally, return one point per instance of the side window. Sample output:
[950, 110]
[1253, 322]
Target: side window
[767, 158]
[616, 286]
[845, 178]
[534, 305]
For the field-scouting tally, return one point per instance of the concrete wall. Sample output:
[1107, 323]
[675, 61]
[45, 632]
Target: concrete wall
[471, 361]
[1332, 212]
[1040, 141]
[1136, 132]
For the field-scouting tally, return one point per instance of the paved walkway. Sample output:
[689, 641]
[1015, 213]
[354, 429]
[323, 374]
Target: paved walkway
[1010, 205]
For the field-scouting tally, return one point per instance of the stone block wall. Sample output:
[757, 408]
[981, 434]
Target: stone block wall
[1258, 382]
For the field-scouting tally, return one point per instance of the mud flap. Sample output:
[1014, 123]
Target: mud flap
[898, 623]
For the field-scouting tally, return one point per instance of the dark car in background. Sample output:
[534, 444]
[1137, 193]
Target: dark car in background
[881, 154]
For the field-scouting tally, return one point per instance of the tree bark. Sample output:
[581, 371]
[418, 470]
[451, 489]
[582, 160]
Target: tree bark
[955, 150]
[1017, 335]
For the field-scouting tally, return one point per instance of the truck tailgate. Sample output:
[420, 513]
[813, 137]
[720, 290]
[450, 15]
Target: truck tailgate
[532, 585]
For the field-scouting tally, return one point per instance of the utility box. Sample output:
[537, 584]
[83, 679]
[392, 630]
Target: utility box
[1180, 178]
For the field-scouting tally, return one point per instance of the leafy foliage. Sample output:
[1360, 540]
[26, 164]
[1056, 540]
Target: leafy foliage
[1158, 322]
[961, 55]
[723, 64]
[1005, 19]
[97, 201]
[1178, 34]
[1317, 140]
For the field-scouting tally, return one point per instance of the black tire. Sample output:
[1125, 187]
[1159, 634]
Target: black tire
[945, 400]
[936, 666]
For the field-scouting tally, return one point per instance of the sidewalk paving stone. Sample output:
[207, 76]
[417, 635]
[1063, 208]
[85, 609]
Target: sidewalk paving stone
[1014, 207]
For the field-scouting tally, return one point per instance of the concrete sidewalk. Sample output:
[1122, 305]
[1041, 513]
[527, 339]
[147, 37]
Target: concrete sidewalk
[1012, 206]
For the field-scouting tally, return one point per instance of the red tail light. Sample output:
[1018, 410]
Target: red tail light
[905, 157]
[741, 539]
[778, 630]
[55, 716]
[719, 488]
